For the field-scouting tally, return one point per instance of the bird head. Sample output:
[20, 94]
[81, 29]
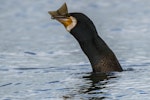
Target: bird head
[64, 17]
[78, 24]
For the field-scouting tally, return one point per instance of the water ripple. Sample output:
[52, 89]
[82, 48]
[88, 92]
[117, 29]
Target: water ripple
[53, 82]
[27, 68]
[41, 90]
[5, 84]
[1, 69]
[30, 53]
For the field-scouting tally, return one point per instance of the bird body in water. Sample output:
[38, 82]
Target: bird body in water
[101, 57]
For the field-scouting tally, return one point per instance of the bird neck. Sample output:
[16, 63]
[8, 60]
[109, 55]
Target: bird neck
[94, 49]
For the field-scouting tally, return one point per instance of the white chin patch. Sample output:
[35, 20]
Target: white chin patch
[72, 25]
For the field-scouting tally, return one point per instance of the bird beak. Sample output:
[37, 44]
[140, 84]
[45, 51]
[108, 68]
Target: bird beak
[61, 13]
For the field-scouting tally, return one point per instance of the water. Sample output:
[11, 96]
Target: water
[39, 60]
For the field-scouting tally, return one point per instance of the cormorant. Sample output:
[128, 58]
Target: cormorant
[82, 28]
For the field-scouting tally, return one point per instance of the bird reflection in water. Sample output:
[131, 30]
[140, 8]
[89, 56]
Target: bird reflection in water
[93, 88]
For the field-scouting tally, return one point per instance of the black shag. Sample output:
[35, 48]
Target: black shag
[82, 28]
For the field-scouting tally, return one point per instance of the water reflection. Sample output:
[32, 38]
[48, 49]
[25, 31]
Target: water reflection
[98, 82]
[93, 88]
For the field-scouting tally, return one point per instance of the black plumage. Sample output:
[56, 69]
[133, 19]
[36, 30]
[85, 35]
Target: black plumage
[82, 28]
[100, 55]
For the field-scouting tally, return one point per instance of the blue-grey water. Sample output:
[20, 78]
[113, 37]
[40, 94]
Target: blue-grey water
[40, 60]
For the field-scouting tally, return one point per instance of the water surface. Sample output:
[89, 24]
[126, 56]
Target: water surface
[39, 60]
